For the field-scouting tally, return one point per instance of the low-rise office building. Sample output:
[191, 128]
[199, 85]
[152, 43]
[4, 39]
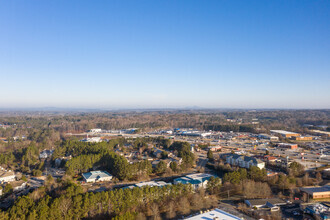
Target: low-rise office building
[198, 180]
[272, 204]
[96, 176]
[216, 214]
[6, 175]
[244, 161]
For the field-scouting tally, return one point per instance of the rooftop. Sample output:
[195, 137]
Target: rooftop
[5, 173]
[199, 176]
[216, 213]
[151, 184]
[258, 202]
[96, 174]
[283, 132]
[312, 190]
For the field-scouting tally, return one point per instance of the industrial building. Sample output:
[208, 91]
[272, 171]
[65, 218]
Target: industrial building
[284, 134]
[317, 192]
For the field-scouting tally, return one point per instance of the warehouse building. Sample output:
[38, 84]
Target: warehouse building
[317, 192]
[284, 134]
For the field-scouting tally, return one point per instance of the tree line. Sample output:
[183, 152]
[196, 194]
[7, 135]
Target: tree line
[138, 203]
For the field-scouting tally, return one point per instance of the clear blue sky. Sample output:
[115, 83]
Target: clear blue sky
[150, 54]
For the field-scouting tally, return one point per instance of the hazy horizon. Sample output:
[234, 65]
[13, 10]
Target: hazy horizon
[165, 54]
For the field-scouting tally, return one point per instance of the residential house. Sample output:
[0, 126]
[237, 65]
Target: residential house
[45, 154]
[157, 152]
[156, 162]
[58, 161]
[178, 160]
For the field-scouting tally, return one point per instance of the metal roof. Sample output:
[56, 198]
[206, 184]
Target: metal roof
[214, 214]
[96, 174]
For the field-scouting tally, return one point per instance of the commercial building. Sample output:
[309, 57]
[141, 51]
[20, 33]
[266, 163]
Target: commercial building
[215, 148]
[152, 184]
[318, 210]
[95, 130]
[303, 138]
[92, 139]
[284, 134]
[96, 176]
[317, 192]
[6, 175]
[288, 146]
[198, 180]
[268, 137]
[193, 133]
[244, 161]
[273, 203]
[318, 132]
[18, 185]
[216, 214]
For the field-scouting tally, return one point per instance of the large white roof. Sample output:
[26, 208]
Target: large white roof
[198, 175]
[222, 215]
[283, 132]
